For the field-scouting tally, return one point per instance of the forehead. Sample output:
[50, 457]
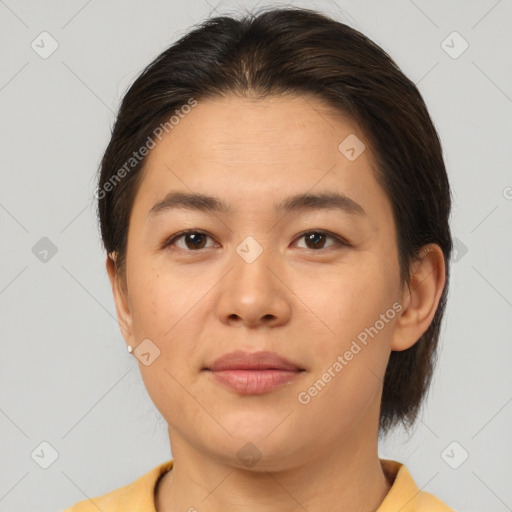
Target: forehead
[253, 152]
[293, 126]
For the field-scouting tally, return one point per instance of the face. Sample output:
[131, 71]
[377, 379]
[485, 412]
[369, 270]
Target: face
[314, 283]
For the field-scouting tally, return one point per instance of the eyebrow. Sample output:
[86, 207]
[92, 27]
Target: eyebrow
[296, 203]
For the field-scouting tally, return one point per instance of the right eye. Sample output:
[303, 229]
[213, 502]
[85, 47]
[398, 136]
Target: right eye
[193, 240]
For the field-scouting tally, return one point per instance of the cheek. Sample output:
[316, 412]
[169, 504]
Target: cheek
[165, 308]
[351, 297]
[158, 298]
[356, 318]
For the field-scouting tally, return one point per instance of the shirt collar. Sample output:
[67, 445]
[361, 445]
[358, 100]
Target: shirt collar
[401, 495]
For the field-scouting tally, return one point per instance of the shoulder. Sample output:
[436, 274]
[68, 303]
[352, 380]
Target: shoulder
[405, 495]
[140, 492]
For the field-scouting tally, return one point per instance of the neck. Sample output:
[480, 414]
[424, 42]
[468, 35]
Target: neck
[349, 477]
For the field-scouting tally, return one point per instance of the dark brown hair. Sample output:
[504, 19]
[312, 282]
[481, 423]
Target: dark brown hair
[296, 51]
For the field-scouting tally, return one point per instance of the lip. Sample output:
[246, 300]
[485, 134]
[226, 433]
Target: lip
[263, 360]
[253, 372]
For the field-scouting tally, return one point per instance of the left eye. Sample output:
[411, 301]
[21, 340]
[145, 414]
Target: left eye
[195, 240]
[314, 239]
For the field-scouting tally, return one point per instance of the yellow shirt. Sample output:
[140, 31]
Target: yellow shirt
[138, 496]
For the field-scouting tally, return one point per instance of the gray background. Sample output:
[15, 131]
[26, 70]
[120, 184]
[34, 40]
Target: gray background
[66, 378]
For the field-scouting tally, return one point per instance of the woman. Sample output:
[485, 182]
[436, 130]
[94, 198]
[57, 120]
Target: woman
[275, 210]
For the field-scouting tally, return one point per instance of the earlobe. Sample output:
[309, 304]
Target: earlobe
[421, 298]
[120, 293]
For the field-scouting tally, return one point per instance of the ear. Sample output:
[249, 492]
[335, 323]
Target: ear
[421, 298]
[120, 292]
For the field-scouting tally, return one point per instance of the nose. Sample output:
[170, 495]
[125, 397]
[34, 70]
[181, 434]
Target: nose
[254, 293]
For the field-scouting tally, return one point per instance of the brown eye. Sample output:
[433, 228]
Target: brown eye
[315, 240]
[192, 240]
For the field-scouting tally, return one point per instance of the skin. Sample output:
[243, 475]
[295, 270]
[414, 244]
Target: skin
[307, 304]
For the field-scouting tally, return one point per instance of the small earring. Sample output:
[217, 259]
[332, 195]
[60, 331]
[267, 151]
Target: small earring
[130, 349]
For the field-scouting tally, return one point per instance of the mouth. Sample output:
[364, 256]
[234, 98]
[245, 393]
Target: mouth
[253, 373]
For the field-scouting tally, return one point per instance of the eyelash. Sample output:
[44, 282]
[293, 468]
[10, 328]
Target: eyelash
[340, 242]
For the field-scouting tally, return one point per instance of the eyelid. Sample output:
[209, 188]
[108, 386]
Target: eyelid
[340, 241]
